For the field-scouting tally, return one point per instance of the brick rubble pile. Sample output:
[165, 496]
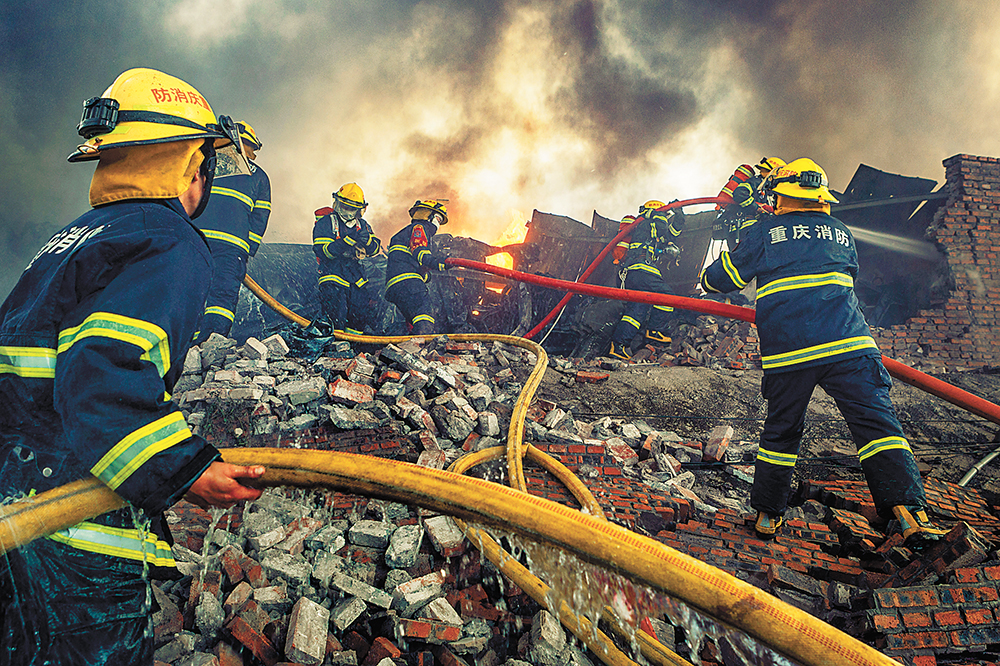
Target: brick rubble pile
[327, 578]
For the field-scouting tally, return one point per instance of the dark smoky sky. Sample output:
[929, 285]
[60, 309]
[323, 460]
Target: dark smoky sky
[504, 106]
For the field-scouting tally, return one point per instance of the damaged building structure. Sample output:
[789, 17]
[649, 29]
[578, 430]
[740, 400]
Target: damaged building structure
[340, 579]
[927, 282]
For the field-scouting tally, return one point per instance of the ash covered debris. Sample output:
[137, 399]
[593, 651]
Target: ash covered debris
[331, 578]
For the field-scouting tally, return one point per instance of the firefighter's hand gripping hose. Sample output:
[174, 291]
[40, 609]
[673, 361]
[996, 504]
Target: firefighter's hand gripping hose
[585, 534]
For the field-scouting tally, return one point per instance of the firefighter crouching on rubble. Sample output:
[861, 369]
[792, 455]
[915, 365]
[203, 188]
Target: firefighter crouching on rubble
[812, 332]
[341, 239]
[234, 223]
[651, 246]
[92, 339]
[410, 263]
[748, 200]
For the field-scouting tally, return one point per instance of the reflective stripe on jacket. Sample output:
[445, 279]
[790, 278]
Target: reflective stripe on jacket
[335, 246]
[805, 264]
[410, 256]
[92, 340]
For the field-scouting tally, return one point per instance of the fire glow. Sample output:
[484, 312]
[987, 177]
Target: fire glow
[515, 232]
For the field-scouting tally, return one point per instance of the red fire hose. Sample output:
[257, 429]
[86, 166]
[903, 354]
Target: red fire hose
[904, 373]
[614, 241]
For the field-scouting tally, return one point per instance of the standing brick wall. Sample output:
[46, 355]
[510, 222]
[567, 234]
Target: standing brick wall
[963, 331]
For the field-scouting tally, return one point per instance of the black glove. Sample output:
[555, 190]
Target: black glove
[678, 218]
[436, 262]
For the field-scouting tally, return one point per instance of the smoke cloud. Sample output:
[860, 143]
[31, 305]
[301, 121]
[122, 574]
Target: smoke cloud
[504, 105]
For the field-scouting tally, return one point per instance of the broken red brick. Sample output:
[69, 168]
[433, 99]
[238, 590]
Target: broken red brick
[590, 377]
[253, 640]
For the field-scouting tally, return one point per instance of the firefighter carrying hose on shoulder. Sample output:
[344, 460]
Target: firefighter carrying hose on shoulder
[748, 200]
[341, 239]
[411, 261]
[92, 339]
[650, 248]
[813, 333]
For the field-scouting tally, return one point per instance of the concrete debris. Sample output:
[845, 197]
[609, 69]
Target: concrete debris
[331, 579]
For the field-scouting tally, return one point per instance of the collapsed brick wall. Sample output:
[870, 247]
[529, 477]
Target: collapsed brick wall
[962, 331]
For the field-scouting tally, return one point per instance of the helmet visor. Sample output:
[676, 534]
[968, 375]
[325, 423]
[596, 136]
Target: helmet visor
[345, 210]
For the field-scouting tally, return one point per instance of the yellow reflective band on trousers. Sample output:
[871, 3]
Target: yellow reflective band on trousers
[734, 275]
[423, 317]
[226, 238]
[28, 361]
[221, 311]
[665, 308]
[150, 338]
[644, 267]
[805, 282]
[825, 350]
[334, 278]
[139, 446]
[877, 446]
[630, 320]
[403, 276]
[775, 458]
[117, 542]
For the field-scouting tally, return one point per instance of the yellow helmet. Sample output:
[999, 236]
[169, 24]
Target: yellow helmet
[351, 195]
[349, 202]
[422, 209]
[769, 164]
[646, 209]
[248, 136]
[801, 179]
[145, 106]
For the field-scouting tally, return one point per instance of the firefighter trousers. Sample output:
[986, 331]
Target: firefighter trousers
[344, 307]
[414, 301]
[860, 386]
[636, 314]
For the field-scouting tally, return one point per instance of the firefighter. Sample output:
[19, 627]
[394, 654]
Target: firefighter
[341, 239]
[411, 261]
[813, 333]
[234, 223]
[651, 246]
[747, 199]
[92, 338]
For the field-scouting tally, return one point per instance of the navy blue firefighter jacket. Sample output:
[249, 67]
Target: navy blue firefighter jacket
[92, 339]
[336, 244]
[410, 257]
[805, 263]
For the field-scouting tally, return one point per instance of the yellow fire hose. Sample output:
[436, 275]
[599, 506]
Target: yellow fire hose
[589, 537]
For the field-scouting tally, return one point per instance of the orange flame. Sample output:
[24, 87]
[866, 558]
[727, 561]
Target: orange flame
[515, 232]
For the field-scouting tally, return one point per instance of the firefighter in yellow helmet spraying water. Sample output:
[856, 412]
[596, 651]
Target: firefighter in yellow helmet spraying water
[92, 340]
[813, 333]
[341, 239]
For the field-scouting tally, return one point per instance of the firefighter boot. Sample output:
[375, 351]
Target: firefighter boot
[918, 533]
[619, 351]
[767, 525]
[658, 337]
